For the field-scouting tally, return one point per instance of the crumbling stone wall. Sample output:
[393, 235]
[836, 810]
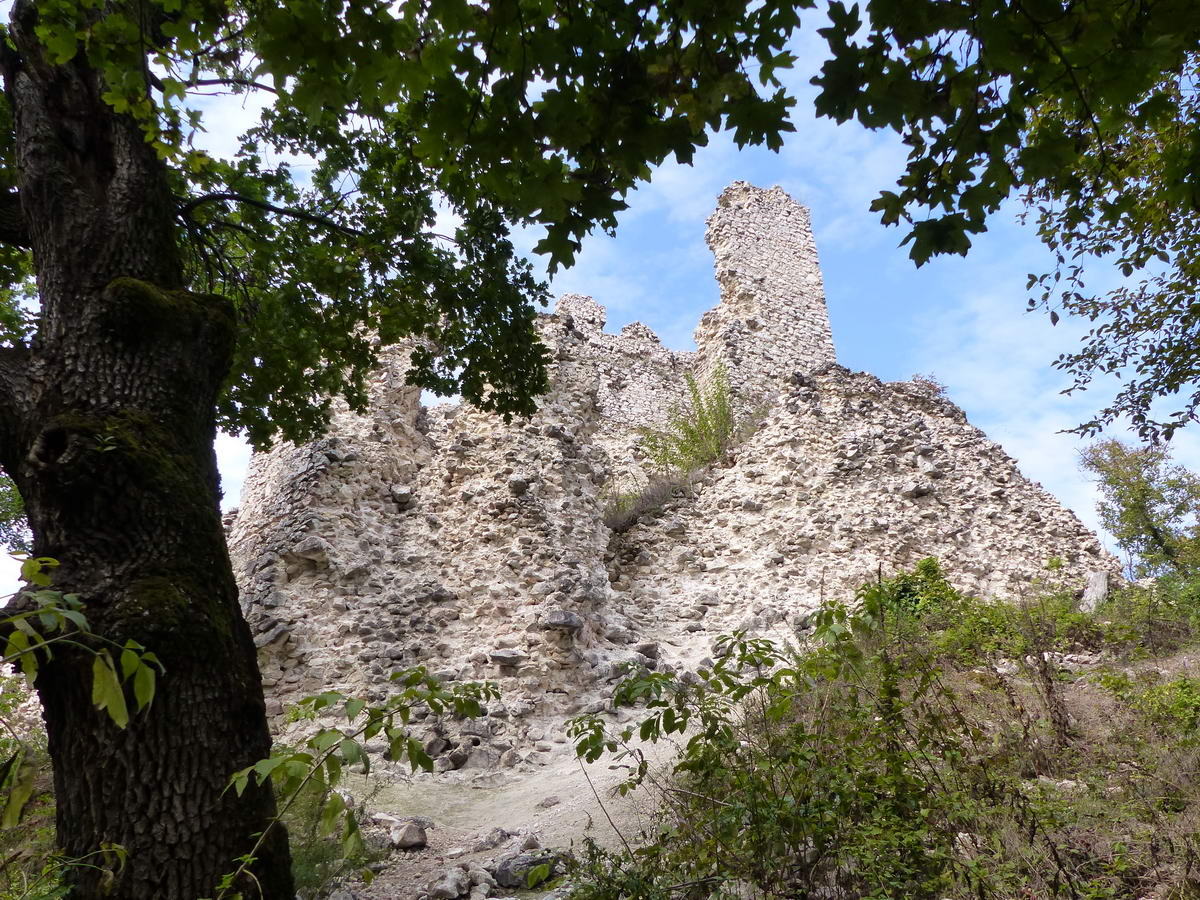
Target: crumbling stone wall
[772, 317]
[445, 538]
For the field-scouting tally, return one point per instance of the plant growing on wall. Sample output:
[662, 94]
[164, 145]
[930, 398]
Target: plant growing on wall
[698, 432]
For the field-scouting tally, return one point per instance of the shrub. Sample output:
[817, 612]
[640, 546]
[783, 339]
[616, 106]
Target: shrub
[923, 591]
[698, 433]
[1173, 704]
[930, 383]
[1155, 618]
[624, 507]
[879, 760]
[800, 776]
[320, 860]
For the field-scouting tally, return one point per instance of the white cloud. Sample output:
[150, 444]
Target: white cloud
[995, 362]
[233, 459]
[10, 571]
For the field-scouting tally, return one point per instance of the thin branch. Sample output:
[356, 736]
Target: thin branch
[186, 209]
[603, 808]
[232, 82]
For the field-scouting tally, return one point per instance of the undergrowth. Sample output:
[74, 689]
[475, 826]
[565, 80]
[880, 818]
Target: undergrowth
[320, 860]
[919, 743]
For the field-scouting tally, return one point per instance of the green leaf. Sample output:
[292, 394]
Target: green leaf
[537, 875]
[107, 694]
[143, 686]
[18, 781]
[417, 757]
[335, 806]
[264, 767]
[352, 842]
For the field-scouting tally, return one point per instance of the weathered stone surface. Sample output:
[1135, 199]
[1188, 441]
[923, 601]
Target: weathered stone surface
[1095, 591]
[406, 538]
[450, 885]
[563, 620]
[408, 836]
[517, 870]
[508, 657]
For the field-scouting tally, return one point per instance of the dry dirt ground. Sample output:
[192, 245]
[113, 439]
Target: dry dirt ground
[465, 807]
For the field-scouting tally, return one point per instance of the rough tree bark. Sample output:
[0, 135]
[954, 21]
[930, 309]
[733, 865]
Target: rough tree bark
[107, 427]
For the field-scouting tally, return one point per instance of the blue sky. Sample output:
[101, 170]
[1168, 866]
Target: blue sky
[961, 320]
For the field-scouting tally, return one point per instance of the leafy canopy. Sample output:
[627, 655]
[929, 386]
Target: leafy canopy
[14, 528]
[1134, 205]
[1086, 108]
[1149, 504]
[379, 116]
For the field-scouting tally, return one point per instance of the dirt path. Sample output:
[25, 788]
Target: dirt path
[466, 807]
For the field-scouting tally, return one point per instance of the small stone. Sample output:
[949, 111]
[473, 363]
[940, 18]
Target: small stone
[547, 802]
[436, 745]
[912, 489]
[313, 548]
[517, 486]
[269, 637]
[513, 871]
[507, 657]
[648, 650]
[509, 758]
[490, 841]
[481, 877]
[452, 884]
[562, 620]
[403, 496]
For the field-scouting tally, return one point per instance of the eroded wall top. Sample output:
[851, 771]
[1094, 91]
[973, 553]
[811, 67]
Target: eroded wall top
[772, 318]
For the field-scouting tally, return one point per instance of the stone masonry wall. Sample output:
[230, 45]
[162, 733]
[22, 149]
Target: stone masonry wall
[445, 538]
[772, 318]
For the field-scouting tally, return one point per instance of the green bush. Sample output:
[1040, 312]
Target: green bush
[879, 760]
[1154, 618]
[698, 433]
[800, 775]
[1173, 704]
[320, 860]
[924, 591]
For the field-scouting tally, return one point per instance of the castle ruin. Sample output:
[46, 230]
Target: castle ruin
[443, 537]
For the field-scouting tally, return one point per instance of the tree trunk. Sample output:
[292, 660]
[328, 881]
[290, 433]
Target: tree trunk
[107, 427]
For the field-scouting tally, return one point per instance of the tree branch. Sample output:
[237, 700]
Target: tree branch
[232, 82]
[186, 209]
[13, 230]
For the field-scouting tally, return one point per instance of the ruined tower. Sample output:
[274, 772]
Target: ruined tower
[772, 319]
